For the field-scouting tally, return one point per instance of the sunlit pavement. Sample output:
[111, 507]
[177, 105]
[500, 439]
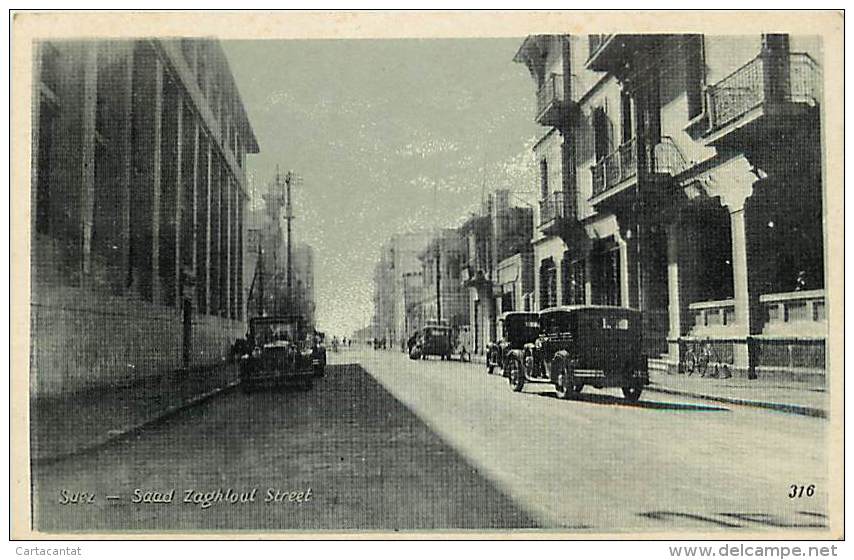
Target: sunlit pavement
[404, 445]
[608, 465]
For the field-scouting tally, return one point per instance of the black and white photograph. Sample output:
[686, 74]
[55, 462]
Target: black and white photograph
[427, 274]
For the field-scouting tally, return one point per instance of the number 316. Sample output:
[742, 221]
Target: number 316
[796, 491]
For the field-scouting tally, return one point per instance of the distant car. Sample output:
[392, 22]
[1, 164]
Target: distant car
[433, 340]
[583, 345]
[282, 352]
[518, 328]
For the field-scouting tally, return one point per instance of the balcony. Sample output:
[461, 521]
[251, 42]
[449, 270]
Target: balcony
[669, 159]
[551, 102]
[599, 46]
[615, 172]
[761, 95]
[552, 208]
[611, 52]
[794, 313]
[712, 317]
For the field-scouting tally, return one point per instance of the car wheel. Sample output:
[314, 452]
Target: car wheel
[563, 385]
[632, 393]
[515, 375]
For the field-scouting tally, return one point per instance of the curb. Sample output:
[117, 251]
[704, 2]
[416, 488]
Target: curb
[779, 407]
[114, 435]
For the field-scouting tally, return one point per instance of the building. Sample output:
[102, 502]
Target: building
[137, 198]
[305, 303]
[499, 233]
[682, 175]
[444, 299]
[398, 288]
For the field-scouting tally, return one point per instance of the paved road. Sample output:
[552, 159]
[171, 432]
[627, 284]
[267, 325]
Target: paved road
[661, 464]
[420, 445]
[369, 464]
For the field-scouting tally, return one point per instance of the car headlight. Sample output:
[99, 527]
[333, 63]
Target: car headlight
[256, 352]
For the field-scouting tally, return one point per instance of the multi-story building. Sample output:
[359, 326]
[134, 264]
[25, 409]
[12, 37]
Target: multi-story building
[138, 190]
[397, 288]
[444, 299]
[692, 180]
[500, 232]
[303, 282]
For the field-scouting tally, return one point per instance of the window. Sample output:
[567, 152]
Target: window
[48, 137]
[507, 302]
[48, 133]
[601, 134]
[544, 179]
[695, 71]
[626, 116]
[573, 280]
[606, 274]
[548, 284]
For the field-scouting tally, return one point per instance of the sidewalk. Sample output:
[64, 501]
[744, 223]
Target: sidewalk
[791, 397]
[62, 426]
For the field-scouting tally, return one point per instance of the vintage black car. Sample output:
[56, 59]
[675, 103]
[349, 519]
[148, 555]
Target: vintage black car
[583, 345]
[518, 328]
[433, 340]
[283, 351]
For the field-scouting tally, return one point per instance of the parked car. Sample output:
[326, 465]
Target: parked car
[433, 340]
[283, 351]
[583, 345]
[518, 328]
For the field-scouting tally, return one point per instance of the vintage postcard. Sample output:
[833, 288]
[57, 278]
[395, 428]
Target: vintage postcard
[427, 275]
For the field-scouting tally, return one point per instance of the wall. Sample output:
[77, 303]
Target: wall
[81, 340]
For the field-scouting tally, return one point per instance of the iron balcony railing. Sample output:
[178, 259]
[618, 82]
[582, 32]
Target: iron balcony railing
[618, 166]
[553, 207]
[596, 41]
[550, 93]
[669, 159]
[746, 88]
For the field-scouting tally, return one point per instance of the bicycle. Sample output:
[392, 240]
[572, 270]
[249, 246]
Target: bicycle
[699, 355]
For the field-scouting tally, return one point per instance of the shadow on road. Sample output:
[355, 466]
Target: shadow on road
[654, 405]
[369, 462]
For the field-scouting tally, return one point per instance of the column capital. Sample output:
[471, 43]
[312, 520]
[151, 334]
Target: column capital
[731, 182]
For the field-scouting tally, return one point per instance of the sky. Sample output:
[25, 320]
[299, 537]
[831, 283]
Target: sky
[388, 136]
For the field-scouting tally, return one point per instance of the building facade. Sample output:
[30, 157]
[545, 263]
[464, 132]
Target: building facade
[498, 233]
[398, 288]
[137, 197]
[692, 189]
[444, 299]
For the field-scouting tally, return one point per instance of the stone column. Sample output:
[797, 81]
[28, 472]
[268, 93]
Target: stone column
[145, 196]
[194, 211]
[624, 270]
[740, 284]
[226, 227]
[733, 182]
[588, 278]
[674, 302]
[126, 149]
[178, 197]
[87, 147]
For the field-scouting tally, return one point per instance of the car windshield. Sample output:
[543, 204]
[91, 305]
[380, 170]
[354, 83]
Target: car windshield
[274, 331]
[521, 327]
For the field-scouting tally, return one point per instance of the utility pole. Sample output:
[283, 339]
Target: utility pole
[289, 216]
[438, 279]
[260, 266]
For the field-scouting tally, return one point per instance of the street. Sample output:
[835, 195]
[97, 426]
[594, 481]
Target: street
[395, 444]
